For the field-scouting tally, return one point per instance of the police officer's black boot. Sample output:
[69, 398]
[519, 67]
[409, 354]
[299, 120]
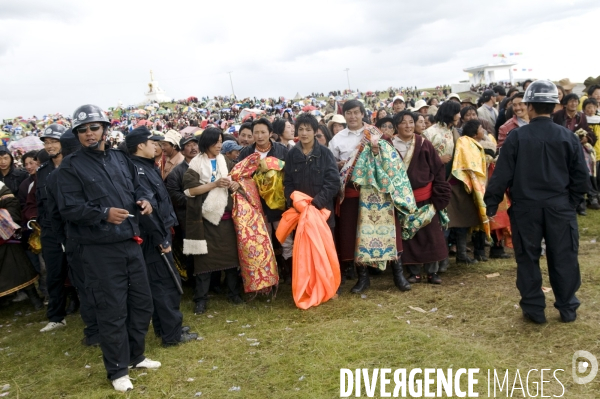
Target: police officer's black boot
[33, 296]
[399, 280]
[73, 300]
[363, 280]
[581, 208]
[461, 248]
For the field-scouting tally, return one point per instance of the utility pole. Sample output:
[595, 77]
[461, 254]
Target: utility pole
[348, 77]
[231, 81]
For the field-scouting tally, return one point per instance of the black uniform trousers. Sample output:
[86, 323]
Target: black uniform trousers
[116, 282]
[77, 277]
[166, 318]
[558, 226]
[56, 274]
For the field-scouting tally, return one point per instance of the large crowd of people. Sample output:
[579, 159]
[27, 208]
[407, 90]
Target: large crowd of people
[117, 210]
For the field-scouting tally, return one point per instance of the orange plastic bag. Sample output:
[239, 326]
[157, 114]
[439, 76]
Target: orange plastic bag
[316, 269]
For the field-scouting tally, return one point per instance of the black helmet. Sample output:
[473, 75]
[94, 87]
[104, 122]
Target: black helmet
[88, 113]
[54, 131]
[541, 91]
[69, 142]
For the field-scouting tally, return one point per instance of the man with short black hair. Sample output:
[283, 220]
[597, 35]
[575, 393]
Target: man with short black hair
[487, 111]
[541, 164]
[156, 233]
[500, 93]
[245, 134]
[346, 145]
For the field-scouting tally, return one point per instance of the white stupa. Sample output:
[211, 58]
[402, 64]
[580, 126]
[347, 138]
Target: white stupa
[155, 93]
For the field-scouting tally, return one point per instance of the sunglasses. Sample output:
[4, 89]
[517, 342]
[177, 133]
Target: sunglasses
[93, 128]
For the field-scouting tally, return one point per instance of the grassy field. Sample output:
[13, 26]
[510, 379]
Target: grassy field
[271, 349]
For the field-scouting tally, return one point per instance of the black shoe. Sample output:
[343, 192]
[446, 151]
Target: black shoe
[465, 260]
[363, 282]
[236, 300]
[414, 278]
[501, 255]
[594, 205]
[481, 258]
[399, 279]
[185, 337]
[433, 278]
[582, 213]
[73, 306]
[93, 341]
[33, 296]
[200, 307]
[536, 320]
[568, 318]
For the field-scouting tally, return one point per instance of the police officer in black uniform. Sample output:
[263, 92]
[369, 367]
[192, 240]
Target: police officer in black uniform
[69, 144]
[156, 233]
[52, 247]
[100, 197]
[542, 166]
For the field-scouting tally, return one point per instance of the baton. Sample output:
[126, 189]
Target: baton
[172, 273]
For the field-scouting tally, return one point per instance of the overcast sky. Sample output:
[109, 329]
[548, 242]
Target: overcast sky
[56, 55]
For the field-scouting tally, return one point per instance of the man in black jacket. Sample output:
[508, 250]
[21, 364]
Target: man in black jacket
[156, 233]
[542, 166]
[174, 184]
[52, 247]
[91, 337]
[100, 197]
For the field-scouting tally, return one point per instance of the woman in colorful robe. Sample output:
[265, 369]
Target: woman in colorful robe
[210, 233]
[261, 132]
[426, 173]
[16, 270]
[468, 181]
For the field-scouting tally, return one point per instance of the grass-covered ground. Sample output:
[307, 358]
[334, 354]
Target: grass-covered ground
[271, 349]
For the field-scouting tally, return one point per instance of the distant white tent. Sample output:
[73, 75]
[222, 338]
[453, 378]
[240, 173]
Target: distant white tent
[298, 97]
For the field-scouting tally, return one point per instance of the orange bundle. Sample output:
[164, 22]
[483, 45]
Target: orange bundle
[316, 269]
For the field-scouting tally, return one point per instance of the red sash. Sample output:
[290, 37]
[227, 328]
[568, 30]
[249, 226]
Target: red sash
[423, 193]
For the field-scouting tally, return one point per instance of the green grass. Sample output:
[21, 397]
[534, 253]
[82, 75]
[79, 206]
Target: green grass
[300, 352]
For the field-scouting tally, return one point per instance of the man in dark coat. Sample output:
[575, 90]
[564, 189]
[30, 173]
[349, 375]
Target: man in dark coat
[9, 174]
[156, 233]
[100, 197]
[542, 166]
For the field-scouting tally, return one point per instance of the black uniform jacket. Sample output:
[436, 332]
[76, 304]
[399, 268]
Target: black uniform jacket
[41, 196]
[315, 175]
[90, 182]
[542, 166]
[156, 225]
